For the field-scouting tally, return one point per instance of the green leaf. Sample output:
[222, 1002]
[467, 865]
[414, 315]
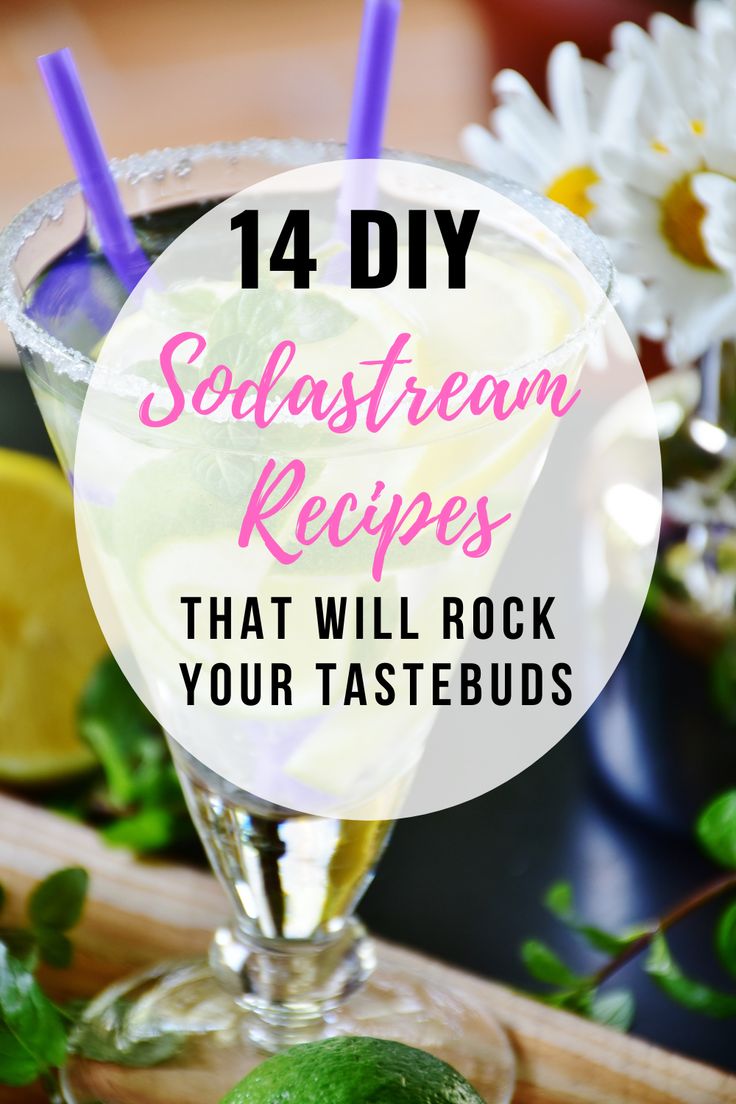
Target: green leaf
[608, 942]
[559, 900]
[570, 999]
[723, 680]
[142, 790]
[615, 1009]
[33, 1038]
[113, 721]
[54, 947]
[58, 901]
[73, 1010]
[188, 307]
[543, 964]
[21, 944]
[691, 994]
[149, 830]
[17, 1065]
[315, 316]
[716, 829]
[726, 938]
[102, 738]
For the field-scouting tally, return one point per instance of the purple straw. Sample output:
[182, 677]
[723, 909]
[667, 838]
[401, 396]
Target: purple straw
[372, 79]
[367, 118]
[117, 237]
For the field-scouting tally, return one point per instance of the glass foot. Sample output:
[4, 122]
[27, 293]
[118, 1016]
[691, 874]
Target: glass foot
[197, 1042]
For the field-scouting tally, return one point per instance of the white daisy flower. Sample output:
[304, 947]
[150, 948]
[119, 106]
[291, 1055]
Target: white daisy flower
[554, 151]
[623, 146]
[550, 151]
[647, 202]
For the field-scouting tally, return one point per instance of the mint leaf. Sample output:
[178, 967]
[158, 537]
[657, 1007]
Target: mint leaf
[17, 1065]
[58, 901]
[113, 721]
[149, 830]
[614, 1009]
[726, 938]
[141, 790]
[189, 306]
[543, 964]
[247, 326]
[54, 947]
[716, 829]
[559, 900]
[315, 316]
[32, 1036]
[21, 944]
[608, 942]
[691, 994]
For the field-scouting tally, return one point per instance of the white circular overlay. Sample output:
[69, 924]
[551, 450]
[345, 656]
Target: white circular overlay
[367, 551]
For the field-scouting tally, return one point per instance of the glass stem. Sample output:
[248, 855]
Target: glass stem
[293, 951]
[291, 986]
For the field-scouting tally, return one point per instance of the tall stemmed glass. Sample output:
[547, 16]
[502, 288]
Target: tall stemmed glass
[293, 964]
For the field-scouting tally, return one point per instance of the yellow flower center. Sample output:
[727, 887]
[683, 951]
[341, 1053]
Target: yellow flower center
[571, 190]
[681, 223]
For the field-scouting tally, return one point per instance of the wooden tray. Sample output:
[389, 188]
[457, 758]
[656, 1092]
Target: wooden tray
[140, 912]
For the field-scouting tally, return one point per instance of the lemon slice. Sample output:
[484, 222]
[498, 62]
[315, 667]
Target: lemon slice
[49, 638]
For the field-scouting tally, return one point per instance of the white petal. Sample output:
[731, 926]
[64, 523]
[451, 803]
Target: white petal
[509, 83]
[567, 96]
[647, 173]
[486, 152]
[628, 40]
[714, 188]
[530, 132]
[718, 194]
[597, 81]
[618, 113]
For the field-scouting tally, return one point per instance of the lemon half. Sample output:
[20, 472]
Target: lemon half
[49, 637]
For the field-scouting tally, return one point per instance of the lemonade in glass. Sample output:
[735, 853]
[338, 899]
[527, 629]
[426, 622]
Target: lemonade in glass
[293, 964]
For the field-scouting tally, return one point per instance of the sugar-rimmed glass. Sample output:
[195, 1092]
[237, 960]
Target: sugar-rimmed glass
[294, 964]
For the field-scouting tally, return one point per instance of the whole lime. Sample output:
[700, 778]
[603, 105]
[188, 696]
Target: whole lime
[353, 1070]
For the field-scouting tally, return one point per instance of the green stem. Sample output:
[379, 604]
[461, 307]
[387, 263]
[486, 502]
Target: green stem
[728, 385]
